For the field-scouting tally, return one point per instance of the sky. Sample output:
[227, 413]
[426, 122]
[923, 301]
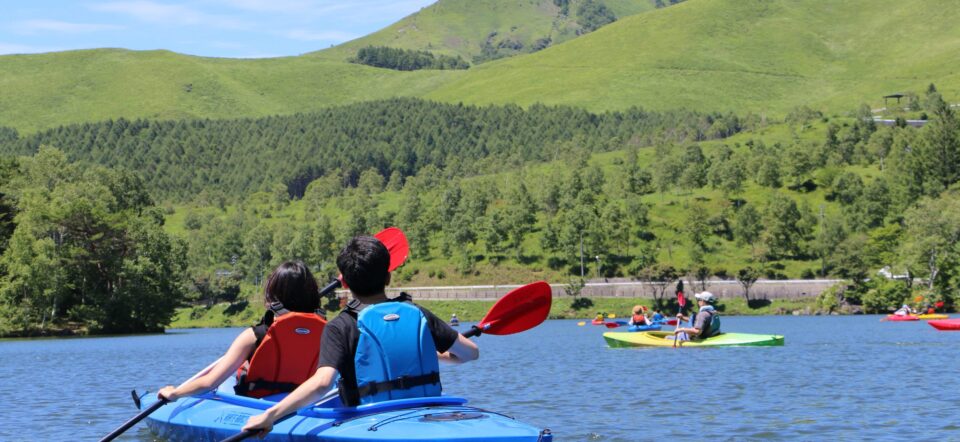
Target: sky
[214, 28]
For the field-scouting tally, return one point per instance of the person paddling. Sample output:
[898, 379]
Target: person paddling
[706, 322]
[371, 323]
[290, 327]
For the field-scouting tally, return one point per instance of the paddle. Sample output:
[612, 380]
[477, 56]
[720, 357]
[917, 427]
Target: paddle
[156, 405]
[681, 301]
[396, 243]
[519, 310]
[133, 421]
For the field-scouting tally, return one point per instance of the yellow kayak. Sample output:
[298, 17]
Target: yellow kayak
[933, 316]
[660, 339]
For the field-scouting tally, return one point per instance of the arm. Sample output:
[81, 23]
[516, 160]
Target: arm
[228, 365]
[689, 330]
[462, 350]
[307, 393]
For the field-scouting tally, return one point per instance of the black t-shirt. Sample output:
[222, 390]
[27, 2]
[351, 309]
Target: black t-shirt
[338, 347]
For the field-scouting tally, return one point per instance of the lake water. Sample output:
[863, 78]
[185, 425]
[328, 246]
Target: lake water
[849, 378]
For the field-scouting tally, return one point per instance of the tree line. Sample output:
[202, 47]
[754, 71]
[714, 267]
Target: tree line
[180, 159]
[79, 239]
[878, 203]
[406, 59]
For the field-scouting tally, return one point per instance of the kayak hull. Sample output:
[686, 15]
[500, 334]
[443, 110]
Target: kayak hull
[641, 328]
[896, 318]
[213, 417]
[933, 316]
[659, 339]
[945, 324]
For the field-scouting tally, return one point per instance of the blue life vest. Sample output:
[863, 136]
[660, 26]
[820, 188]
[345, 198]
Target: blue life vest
[396, 357]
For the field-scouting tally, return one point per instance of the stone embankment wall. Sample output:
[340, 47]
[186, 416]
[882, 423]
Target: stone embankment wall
[768, 289]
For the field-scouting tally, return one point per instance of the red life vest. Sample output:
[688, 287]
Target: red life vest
[639, 320]
[286, 355]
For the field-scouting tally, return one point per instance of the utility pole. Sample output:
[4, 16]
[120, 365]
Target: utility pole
[598, 266]
[823, 255]
[581, 256]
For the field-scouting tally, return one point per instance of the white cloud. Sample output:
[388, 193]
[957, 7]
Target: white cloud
[39, 26]
[293, 6]
[170, 14]
[14, 48]
[306, 35]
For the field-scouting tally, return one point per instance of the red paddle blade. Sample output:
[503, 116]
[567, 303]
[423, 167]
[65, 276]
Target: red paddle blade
[521, 309]
[396, 242]
[681, 300]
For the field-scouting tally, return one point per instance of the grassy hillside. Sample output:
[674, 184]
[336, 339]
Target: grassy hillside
[764, 56]
[758, 55]
[461, 27]
[46, 90]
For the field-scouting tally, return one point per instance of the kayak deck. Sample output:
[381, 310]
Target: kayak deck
[216, 416]
[660, 339]
[933, 316]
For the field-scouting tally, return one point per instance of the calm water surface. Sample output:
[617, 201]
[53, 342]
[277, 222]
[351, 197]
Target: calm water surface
[850, 378]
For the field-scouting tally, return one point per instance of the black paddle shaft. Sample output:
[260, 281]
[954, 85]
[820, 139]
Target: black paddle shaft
[330, 288]
[241, 436]
[133, 421]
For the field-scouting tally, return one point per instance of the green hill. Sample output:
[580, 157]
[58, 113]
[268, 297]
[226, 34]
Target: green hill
[464, 27]
[46, 90]
[759, 55]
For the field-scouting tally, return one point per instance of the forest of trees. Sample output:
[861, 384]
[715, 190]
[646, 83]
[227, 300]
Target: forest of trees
[406, 59]
[83, 243]
[181, 159]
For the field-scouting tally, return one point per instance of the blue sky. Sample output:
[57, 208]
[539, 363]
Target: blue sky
[217, 28]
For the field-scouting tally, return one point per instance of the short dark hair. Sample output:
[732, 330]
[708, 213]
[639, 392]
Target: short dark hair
[292, 285]
[365, 265]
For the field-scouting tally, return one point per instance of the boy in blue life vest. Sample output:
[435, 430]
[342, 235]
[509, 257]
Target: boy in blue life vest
[348, 347]
[705, 324]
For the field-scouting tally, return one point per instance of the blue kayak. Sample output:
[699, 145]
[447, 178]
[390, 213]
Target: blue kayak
[218, 415]
[639, 328]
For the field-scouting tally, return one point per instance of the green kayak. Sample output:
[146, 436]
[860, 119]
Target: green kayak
[665, 339]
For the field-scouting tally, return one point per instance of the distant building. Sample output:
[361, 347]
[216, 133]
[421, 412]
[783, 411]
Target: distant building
[886, 273]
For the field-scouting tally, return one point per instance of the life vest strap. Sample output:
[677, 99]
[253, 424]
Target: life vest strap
[401, 383]
[279, 387]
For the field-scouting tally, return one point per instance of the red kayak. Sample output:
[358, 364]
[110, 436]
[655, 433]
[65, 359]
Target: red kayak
[945, 324]
[902, 318]
[597, 322]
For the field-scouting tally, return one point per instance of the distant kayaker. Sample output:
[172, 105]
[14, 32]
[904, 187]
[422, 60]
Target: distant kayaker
[292, 298]
[658, 317]
[639, 316]
[454, 321]
[904, 310]
[352, 341]
[706, 323]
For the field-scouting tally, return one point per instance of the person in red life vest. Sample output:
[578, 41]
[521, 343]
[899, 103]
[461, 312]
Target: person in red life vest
[639, 317]
[290, 327]
[377, 345]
